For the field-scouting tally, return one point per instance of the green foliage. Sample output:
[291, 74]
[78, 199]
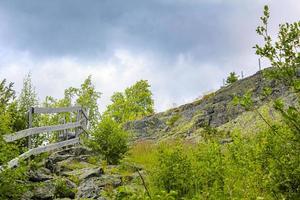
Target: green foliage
[26, 100]
[291, 115]
[282, 53]
[173, 171]
[6, 93]
[252, 167]
[142, 153]
[245, 100]
[28, 96]
[173, 119]
[62, 189]
[132, 193]
[134, 103]
[232, 78]
[110, 140]
[7, 151]
[87, 97]
[12, 183]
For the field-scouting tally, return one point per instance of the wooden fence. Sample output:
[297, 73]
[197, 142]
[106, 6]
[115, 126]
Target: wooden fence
[80, 126]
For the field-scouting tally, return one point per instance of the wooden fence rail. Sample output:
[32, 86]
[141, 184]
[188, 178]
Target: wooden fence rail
[36, 130]
[39, 110]
[80, 126]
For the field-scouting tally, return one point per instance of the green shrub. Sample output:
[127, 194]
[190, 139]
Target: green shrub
[232, 78]
[12, 183]
[109, 140]
[173, 171]
[62, 189]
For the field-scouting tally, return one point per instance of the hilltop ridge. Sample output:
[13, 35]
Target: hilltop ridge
[214, 110]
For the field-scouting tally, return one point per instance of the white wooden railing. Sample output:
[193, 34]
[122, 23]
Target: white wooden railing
[80, 126]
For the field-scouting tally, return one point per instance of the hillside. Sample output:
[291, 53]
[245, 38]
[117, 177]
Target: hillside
[215, 110]
[78, 173]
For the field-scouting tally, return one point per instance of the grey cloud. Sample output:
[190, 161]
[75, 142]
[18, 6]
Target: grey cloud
[89, 29]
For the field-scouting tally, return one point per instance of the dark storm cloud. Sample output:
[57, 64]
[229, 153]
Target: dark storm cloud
[92, 28]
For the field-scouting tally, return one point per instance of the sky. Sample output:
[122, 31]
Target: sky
[184, 48]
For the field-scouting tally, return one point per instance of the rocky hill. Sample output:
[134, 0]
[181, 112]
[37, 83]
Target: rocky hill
[215, 110]
[74, 173]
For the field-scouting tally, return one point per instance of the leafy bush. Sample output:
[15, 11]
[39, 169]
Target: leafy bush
[251, 167]
[12, 183]
[62, 189]
[109, 140]
[173, 171]
[232, 78]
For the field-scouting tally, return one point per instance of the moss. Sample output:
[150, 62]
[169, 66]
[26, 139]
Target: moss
[174, 118]
[75, 164]
[208, 96]
[94, 160]
[74, 179]
[185, 126]
[250, 122]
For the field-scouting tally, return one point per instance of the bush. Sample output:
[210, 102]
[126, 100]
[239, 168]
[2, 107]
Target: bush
[232, 78]
[173, 171]
[12, 183]
[109, 140]
[63, 190]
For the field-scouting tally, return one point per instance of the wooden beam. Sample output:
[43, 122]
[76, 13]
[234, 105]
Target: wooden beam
[40, 110]
[36, 130]
[39, 150]
[84, 114]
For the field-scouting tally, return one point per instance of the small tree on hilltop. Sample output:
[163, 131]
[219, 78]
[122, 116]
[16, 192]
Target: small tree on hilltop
[231, 78]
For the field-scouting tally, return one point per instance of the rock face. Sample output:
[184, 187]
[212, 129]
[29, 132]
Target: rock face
[212, 110]
[67, 174]
[90, 188]
[40, 175]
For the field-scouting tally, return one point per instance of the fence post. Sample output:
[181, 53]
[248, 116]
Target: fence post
[30, 111]
[65, 131]
[77, 120]
[86, 122]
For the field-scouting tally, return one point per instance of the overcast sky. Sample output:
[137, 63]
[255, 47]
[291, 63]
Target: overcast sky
[183, 47]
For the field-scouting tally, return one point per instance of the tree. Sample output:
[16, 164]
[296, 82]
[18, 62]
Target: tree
[27, 99]
[7, 151]
[134, 103]
[87, 97]
[283, 53]
[28, 96]
[231, 78]
[284, 56]
[6, 93]
[11, 181]
[109, 140]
